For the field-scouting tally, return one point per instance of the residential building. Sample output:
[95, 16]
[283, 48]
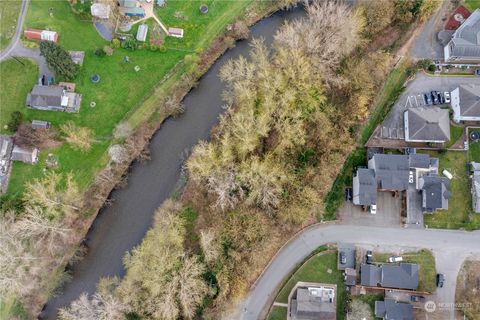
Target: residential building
[53, 98]
[43, 35]
[40, 124]
[350, 276]
[397, 276]
[393, 310]
[25, 155]
[464, 47]
[142, 32]
[435, 192]
[312, 301]
[466, 103]
[364, 187]
[427, 124]
[175, 32]
[391, 171]
[475, 176]
[100, 10]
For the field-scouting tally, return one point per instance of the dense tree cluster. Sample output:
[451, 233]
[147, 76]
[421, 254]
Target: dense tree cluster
[59, 60]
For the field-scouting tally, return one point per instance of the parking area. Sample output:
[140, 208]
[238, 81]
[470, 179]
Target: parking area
[413, 97]
[388, 212]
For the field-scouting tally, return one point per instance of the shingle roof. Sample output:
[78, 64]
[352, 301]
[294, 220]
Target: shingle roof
[466, 40]
[365, 187]
[24, 155]
[427, 124]
[391, 170]
[45, 96]
[370, 275]
[469, 100]
[403, 276]
[393, 310]
[435, 192]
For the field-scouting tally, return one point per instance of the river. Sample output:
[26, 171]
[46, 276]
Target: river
[122, 225]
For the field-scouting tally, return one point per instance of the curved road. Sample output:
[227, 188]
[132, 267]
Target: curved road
[11, 46]
[449, 247]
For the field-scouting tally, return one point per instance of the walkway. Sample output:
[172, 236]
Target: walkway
[449, 247]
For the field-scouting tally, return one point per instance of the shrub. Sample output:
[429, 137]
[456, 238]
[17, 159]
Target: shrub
[79, 138]
[108, 50]
[99, 52]
[115, 43]
[16, 118]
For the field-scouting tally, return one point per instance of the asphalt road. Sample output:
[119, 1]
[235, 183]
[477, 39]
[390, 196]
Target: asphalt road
[15, 39]
[450, 248]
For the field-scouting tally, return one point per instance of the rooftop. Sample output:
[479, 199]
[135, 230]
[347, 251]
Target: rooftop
[469, 95]
[391, 171]
[466, 40]
[391, 309]
[402, 276]
[427, 124]
[313, 301]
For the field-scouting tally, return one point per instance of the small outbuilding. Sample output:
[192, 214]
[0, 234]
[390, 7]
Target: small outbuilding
[40, 124]
[175, 32]
[43, 35]
[100, 10]
[142, 32]
[25, 155]
[77, 56]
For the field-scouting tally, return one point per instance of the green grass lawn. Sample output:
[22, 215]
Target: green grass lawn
[472, 4]
[459, 214]
[16, 79]
[120, 94]
[426, 261]
[320, 268]
[455, 134]
[278, 313]
[9, 11]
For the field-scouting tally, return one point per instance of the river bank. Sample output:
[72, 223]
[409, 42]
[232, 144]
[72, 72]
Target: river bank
[122, 225]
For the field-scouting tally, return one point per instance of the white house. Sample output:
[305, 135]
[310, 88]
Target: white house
[465, 102]
[464, 47]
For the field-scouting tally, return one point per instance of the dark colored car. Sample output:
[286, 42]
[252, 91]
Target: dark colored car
[428, 99]
[343, 257]
[434, 97]
[417, 298]
[441, 98]
[440, 280]
[369, 257]
[348, 194]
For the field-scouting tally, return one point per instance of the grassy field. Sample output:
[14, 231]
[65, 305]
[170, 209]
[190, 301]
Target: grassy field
[120, 94]
[426, 261]
[467, 292]
[472, 4]
[14, 89]
[278, 313]
[455, 134]
[9, 11]
[459, 214]
[320, 268]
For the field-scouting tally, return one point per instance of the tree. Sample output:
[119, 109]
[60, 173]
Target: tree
[28, 137]
[16, 118]
[359, 310]
[97, 307]
[81, 138]
[59, 60]
[378, 15]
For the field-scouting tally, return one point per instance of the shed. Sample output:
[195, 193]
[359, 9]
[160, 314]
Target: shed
[132, 12]
[127, 3]
[142, 32]
[77, 56]
[40, 124]
[25, 155]
[100, 10]
[44, 35]
[175, 32]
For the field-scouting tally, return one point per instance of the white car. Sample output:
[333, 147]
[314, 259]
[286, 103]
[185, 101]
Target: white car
[446, 94]
[410, 177]
[395, 259]
[373, 209]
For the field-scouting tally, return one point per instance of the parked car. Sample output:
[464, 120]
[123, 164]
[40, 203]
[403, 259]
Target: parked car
[410, 177]
[395, 259]
[417, 298]
[446, 94]
[343, 257]
[434, 97]
[441, 99]
[373, 209]
[348, 194]
[477, 72]
[369, 257]
[428, 99]
[440, 280]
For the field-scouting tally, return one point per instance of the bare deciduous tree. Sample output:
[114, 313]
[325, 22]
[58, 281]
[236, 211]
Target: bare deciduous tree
[80, 138]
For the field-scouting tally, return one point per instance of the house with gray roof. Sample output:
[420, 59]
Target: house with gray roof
[466, 103]
[397, 276]
[475, 176]
[53, 98]
[309, 301]
[40, 124]
[391, 171]
[393, 310]
[427, 124]
[364, 187]
[435, 193]
[464, 47]
[26, 155]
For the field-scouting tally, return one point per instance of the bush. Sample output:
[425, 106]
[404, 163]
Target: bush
[99, 52]
[59, 60]
[16, 118]
[115, 43]
[130, 44]
[432, 68]
[108, 50]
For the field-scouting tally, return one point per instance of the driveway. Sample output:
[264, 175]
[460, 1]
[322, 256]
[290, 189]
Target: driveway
[412, 97]
[426, 44]
[450, 247]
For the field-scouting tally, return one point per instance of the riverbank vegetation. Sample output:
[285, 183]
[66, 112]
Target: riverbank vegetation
[294, 110]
